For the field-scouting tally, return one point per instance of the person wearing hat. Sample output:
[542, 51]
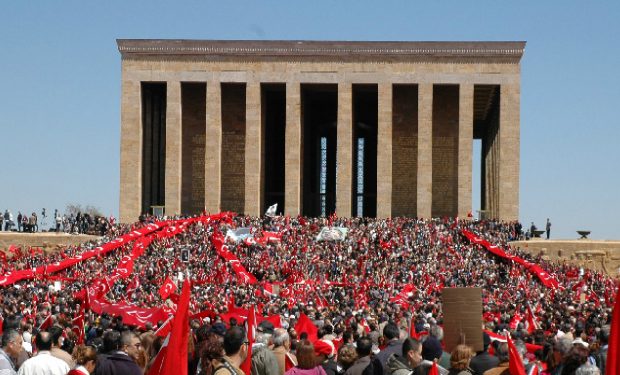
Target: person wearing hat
[325, 350]
[264, 362]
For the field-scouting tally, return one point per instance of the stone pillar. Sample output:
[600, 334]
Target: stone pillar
[253, 150]
[173, 148]
[466, 137]
[344, 152]
[425, 150]
[213, 148]
[131, 152]
[292, 151]
[384, 151]
[509, 123]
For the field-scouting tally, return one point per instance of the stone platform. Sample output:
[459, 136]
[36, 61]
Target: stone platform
[594, 254]
[44, 240]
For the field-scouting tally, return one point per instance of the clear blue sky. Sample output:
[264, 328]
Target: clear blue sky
[60, 88]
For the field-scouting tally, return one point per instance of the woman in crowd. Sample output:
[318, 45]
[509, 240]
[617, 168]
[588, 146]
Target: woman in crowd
[459, 360]
[306, 361]
[85, 358]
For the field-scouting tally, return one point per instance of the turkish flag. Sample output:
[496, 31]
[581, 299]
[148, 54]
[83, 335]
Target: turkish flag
[78, 327]
[172, 358]
[515, 363]
[46, 323]
[304, 324]
[167, 289]
[613, 350]
[246, 366]
[412, 331]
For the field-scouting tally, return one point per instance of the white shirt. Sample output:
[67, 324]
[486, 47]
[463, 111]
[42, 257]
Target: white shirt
[44, 364]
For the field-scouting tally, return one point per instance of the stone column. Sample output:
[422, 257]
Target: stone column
[509, 123]
[425, 150]
[213, 148]
[384, 151]
[131, 152]
[292, 151]
[253, 150]
[344, 150]
[466, 136]
[173, 148]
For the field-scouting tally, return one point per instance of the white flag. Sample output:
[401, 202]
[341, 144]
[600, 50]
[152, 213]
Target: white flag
[271, 211]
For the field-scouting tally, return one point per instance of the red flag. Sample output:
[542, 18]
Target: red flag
[246, 366]
[613, 350]
[172, 356]
[289, 361]
[515, 363]
[531, 322]
[434, 370]
[167, 289]
[304, 324]
[165, 328]
[78, 328]
[46, 323]
[412, 331]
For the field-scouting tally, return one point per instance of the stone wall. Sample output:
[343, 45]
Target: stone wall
[598, 255]
[46, 241]
[404, 150]
[233, 147]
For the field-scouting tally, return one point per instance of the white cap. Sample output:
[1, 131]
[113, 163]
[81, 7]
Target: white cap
[579, 341]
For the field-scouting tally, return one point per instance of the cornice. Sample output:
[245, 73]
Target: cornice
[510, 52]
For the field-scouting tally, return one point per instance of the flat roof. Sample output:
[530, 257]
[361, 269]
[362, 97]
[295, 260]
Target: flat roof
[508, 51]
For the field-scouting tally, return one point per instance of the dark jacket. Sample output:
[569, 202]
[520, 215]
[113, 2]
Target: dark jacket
[359, 366]
[116, 363]
[330, 367]
[393, 347]
[483, 362]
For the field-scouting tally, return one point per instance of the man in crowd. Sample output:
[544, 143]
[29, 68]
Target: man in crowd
[393, 345]
[56, 351]
[364, 350]
[44, 362]
[281, 350]
[483, 361]
[236, 351]
[264, 361]
[119, 348]
[11, 346]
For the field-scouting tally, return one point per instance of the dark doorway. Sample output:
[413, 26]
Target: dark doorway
[153, 144]
[365, 117]
[193, 109]
[233, 147]
[274, 122]
[319, 112]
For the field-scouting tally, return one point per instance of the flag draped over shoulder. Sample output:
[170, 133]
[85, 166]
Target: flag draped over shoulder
[613, 351]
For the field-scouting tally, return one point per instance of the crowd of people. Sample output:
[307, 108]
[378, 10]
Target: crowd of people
[78, 223]
[374, 296]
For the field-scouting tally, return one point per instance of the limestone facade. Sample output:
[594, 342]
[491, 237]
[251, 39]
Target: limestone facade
[432, 100]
